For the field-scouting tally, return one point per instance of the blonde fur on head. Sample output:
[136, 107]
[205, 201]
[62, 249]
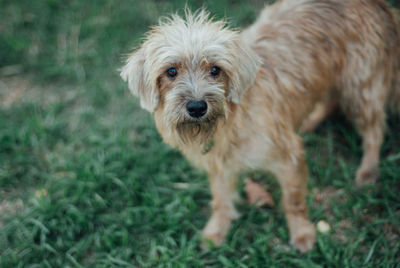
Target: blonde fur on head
[193, 39]
[232, 101]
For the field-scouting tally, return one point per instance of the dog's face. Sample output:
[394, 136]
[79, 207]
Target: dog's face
[187, 71]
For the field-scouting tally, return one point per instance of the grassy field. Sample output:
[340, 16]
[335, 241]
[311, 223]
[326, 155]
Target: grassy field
[85, 180]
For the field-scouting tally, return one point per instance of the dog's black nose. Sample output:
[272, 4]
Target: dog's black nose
[196, 109]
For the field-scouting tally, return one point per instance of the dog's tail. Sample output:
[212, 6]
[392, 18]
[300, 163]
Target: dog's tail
[394, 97]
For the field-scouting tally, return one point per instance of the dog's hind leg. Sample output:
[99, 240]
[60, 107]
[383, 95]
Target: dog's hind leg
[321, 110]
[366, 108]
[224, 194]
[372, 136]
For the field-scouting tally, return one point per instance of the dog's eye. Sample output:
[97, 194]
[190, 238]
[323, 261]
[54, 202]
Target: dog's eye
[172, 72]
[215, 71]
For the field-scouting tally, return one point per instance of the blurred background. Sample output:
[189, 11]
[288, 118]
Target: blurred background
[85, 179]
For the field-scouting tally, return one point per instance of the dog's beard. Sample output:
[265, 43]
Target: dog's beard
[200, 131]
[192, 130]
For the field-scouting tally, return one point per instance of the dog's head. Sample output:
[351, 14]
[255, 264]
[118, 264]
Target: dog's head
[187, 71]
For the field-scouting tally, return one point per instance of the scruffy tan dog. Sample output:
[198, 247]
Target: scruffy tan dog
[233, 100]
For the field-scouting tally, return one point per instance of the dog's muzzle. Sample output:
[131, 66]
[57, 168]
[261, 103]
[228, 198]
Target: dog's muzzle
[196, 109]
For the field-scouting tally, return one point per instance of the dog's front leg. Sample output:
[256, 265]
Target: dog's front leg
[292, 174]
[224, 194]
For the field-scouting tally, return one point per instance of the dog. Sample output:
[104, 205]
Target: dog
[235, 100]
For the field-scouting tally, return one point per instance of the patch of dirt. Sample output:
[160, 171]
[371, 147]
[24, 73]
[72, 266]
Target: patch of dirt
[323, 197]
[279, 245]
[391, 232]
[8, 208]
[20, 88]
[341, 230]
[12, 90]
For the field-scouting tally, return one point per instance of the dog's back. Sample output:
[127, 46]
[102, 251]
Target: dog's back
[340, 45]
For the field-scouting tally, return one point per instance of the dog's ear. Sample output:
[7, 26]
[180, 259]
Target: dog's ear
[246, 64]
[140, 81]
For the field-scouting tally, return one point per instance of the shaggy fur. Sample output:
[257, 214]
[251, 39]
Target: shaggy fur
[298, 62]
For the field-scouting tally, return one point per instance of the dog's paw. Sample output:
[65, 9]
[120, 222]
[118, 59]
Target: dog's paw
[303, 239]
[215, 231]
[211, 241]
[367, 176]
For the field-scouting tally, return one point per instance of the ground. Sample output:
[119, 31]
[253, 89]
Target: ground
[85, 180]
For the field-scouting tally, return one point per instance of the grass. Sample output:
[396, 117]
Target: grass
[85, 180]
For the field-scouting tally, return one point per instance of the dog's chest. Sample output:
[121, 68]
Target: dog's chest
[243, 153]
